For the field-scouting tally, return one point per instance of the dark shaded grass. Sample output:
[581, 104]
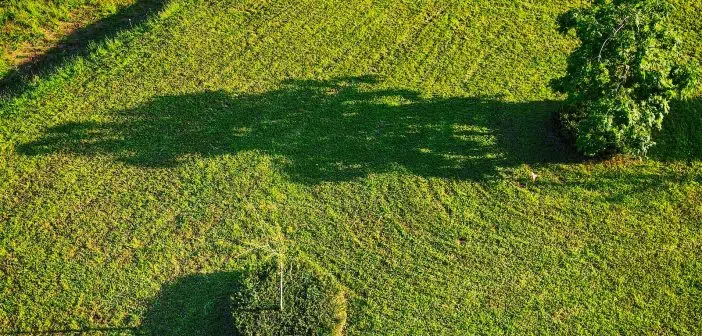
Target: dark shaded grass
[330, 130]
[197, 304]
[681, 137]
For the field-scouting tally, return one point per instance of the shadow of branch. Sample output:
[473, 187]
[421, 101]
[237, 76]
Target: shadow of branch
[77, 44]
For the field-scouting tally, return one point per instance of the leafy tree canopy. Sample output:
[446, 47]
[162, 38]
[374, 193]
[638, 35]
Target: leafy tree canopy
[622, 77]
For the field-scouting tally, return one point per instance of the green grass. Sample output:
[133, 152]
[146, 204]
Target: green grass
[23, 21]
[389, 141]
[36, 24]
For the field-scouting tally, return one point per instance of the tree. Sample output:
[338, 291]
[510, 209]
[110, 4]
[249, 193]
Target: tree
[621, 78]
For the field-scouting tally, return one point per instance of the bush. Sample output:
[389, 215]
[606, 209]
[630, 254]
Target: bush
[313, 302]
[622, 77]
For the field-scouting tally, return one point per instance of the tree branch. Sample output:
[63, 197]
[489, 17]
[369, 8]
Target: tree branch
[621, 25]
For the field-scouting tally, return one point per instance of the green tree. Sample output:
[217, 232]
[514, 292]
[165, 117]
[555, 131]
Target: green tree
[623, 75]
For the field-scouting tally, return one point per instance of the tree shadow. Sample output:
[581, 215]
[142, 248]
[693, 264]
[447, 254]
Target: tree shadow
[681, 136]
[193, 305]
[332, 130]
[77, 44]
[254, 300]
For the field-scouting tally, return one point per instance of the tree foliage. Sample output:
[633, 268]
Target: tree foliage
[622, 77]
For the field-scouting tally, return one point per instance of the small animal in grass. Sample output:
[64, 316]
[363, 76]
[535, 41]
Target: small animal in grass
[533, 176]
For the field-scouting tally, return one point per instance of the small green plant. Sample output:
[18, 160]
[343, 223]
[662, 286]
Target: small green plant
[622, 77]
[288, 296]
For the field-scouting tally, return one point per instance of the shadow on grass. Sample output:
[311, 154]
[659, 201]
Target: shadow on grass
[333, 130]
[346, 128]
[77, 43]
[197, 304]
[681, 137]
[193, 305]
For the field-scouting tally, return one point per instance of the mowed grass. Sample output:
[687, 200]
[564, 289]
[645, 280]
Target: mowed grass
[391, 142]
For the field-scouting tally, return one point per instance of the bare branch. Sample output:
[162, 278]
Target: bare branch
[621, 25]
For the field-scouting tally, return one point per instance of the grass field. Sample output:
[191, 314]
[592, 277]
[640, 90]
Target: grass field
[391, 142]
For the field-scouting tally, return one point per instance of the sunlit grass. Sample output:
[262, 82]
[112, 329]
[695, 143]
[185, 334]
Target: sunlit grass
[392, 142]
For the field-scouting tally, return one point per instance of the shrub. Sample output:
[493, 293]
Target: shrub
[622, 77]
[313, 302]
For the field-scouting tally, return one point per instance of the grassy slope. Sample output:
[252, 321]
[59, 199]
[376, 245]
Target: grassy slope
[389, 140]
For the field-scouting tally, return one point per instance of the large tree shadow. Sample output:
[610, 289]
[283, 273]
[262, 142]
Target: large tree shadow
[331, 130]
[77, 44]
